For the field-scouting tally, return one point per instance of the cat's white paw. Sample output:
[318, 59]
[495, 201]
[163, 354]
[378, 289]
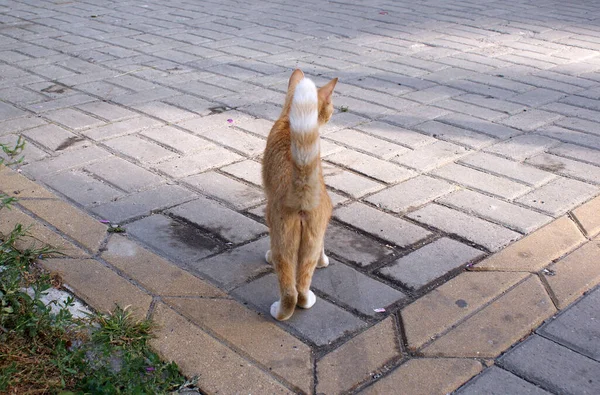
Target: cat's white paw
[324, 261]
[275, 310]
[268, 256]
[311, 298]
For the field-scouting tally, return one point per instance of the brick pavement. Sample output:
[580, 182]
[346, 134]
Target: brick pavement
[466, 127]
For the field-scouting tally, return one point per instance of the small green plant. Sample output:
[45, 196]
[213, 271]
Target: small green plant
[11, 154]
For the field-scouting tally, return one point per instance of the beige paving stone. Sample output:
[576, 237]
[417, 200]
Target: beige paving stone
[18, 186]
[39, 235]
[588, 215]
[219, 369]
[69, 220]
[538, 249]
[154, 273]
[575, 273]
[496, 327]
[99, 286]
[446, 305]
[356, 360]
[426, 376]
[256, 335]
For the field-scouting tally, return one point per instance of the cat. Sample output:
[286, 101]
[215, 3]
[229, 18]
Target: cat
[298, 206]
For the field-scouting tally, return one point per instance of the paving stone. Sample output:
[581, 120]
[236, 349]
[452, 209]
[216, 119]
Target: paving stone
[164, 111]
[537, 97]
[15, 184]
[470, 109]
[213, 217]
[538, 249]
[530, 120]
[256, 335]
[364, 142]
[439, 310]
[238, 140]
[20, 124]
[123, 174]
[522, 147]
[559, 196]
[248, 170]
[358, 359]
[353, 246]
[567, 167]
[479, 125]
[210, 157]
[9, 112]
[218, 368]
[154, 273]
[370, 166]
[486, 234]
[507, 168]
[54, 138]
[577, 327]
[411, 194]
[107, 289]
[350, 183]
[180, 242]
[481, 181]
[426, 264]
[321, 324]
[140, 149]
[455, 134]
[142, 203]
[587, 216]
[580, 125]
[492, 103]
[39, 235]
[553, 367]
[514, 217]
[496, 381]
[73, 119]
[121, 128]
[191, 103]
[381, 225]
[107, 111]
[235, 267]
[238, 195]
[82, 188]
[432, 156]
[485, 334]
[588, 155]
[176, 139]
[415, 115]
[396, 134]
[575, 274]
[354, 289]
[426, 376]
[259, 126]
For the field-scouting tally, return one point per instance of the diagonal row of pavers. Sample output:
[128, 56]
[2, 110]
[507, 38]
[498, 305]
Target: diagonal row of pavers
[433, 345]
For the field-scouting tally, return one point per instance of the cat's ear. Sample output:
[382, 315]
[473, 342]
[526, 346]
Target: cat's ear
[326, 90]
[296, 77]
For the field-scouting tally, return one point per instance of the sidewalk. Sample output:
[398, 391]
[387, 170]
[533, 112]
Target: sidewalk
[463, 161]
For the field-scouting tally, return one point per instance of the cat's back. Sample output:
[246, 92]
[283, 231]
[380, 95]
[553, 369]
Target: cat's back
[276, 169]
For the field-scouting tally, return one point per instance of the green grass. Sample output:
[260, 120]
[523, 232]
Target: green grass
[48, 351]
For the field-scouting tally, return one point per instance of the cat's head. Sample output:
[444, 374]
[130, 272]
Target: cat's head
[324, 94]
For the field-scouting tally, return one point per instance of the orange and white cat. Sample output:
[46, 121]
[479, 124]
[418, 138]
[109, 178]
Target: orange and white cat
[298, 206]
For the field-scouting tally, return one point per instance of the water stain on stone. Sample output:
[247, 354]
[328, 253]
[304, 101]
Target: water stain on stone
[461, 303]
[190, 236]
[56, 88]
[69, 142]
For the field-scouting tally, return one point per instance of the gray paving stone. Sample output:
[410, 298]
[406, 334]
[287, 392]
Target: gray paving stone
[238, 140]
[432, 156]
[581, 125]
[82, 188]
[426, 264]
[235, 193]
[354, 289]
[120, 128]
[9, 112]
[497, 381]
[55, 138]
[567, 167]
[347, 182]
[20, 124]
[210, 157]
[140, 149]
[572, 151]
[143, 203]
[578, 327]
[415, 115]
[571, 136]
[364, 142]
[55, 104]
[65, 161]
[537, 97]
[553, 367]
[455, 134]
[397, 134]
[176, 139]
[73, 119]
[233, 268]
[530, 120]
[559, 196]
[164, 111]
[507, 168]
[247, 170]
[492, 103]
[482, 181]
[411, 194]
[321, 324]
[353, 246]
[370, 166]
[522, 147]
[123, 174]
[107, 111]
[381, 225]
[180, 242]
[514, 217]
[489, 235]
[213, 217]
[479, 125]
[470, 109]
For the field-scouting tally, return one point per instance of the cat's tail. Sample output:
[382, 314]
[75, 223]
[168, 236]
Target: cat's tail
[305, 144]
